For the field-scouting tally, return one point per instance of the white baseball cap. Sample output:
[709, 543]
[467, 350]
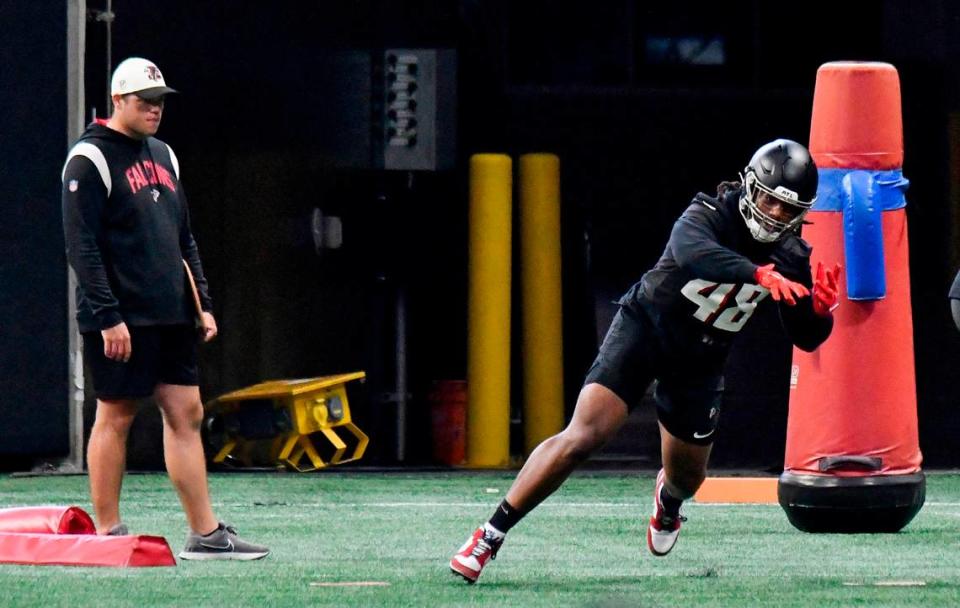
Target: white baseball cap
[140, 76]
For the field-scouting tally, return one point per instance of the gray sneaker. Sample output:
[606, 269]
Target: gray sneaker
[119, 530]
[222, 543]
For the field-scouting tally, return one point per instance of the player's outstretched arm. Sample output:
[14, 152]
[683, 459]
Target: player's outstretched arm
[696, 247]
[810, 322]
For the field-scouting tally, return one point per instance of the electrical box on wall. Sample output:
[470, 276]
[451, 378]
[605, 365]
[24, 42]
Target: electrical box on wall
[414, 109]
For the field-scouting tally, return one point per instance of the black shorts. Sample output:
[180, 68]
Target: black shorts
[164, 354]
[689, 386]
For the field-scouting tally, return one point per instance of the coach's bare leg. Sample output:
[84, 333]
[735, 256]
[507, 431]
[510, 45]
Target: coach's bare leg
[684, 463]
[107, 458]
[598, 416]
[183, 450]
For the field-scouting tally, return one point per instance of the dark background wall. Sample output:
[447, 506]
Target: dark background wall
[274, 120]
[33, 276]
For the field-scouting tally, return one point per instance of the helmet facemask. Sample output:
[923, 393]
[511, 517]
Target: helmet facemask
[764, 227]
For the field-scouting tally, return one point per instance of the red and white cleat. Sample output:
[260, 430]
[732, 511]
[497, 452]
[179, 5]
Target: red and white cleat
[480, 548]
[664, 530]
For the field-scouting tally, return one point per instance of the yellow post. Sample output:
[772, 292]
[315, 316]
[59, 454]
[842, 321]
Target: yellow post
[488, 356]
[541, 289]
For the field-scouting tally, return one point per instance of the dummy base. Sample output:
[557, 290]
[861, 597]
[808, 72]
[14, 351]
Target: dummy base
[873, 503]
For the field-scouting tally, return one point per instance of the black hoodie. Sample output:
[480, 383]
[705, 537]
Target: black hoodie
[127, 228]
[703, 287]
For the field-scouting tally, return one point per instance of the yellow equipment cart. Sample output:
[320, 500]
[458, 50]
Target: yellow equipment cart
[291, 415]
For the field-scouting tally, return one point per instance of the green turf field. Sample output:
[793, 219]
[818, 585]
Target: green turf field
[585, 546]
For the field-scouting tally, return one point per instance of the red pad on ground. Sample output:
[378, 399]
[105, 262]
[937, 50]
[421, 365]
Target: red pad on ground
[84, 550]
[66, 536]
[46, 520]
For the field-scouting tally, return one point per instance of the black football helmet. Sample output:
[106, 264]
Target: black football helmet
[784, 170]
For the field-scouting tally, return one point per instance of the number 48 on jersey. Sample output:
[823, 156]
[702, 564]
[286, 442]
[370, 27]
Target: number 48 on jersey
[726, 306]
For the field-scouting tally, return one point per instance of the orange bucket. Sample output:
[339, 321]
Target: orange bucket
[448, 417]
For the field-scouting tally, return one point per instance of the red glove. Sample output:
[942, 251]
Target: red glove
[825, 291]
[780, 288]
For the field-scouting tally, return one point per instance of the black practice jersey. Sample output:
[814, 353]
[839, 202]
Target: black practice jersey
[127, 230]
[703, 290]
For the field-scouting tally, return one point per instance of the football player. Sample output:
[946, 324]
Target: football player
[726, 255]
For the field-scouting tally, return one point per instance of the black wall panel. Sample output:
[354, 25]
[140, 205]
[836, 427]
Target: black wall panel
[33, 276]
